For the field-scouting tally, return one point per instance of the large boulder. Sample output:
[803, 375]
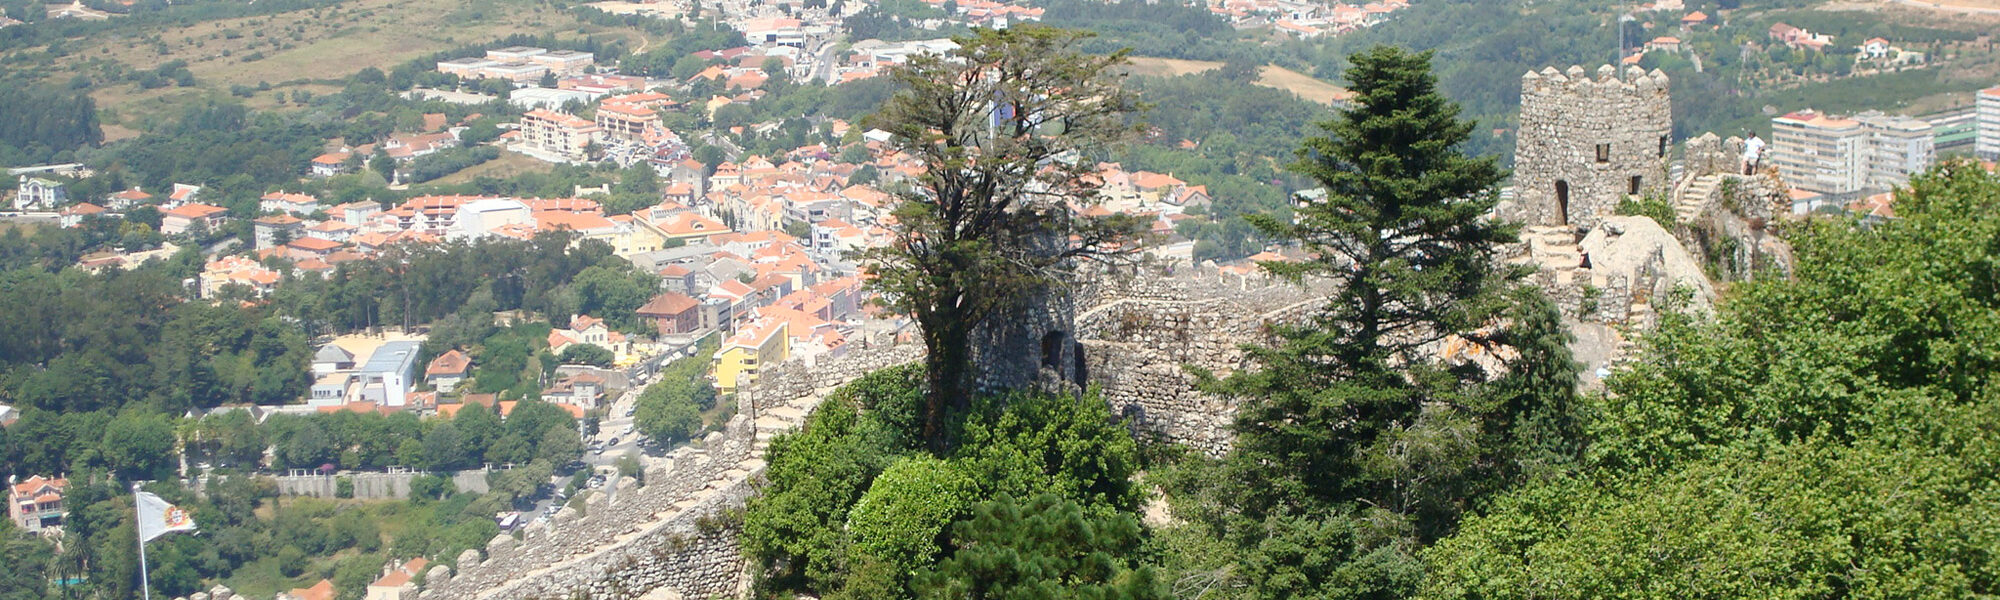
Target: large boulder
[468, 559]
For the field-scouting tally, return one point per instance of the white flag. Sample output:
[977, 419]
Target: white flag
[157, 518]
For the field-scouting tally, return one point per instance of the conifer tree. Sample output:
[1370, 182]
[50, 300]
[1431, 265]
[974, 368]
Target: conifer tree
[1337, 413]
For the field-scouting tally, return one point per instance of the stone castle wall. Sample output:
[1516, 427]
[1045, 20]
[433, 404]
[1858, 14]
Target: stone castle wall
[677, 531]
[1565, 118]
[1145, 331]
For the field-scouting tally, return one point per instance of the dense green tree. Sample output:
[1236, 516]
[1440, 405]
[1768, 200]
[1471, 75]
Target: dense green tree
[445, 449]
[1047, 547]
[1052, 443]
[974, 233]
[901, 520]
[795, 530]
[478, 428]
[140, 446]
[28, 560]
[586, 354]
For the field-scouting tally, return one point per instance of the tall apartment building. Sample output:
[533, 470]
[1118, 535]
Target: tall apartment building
[1897, 147]
[1844, 156]
[555, 135]
[1988, 107]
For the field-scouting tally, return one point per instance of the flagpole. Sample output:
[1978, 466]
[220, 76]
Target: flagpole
[145, 583]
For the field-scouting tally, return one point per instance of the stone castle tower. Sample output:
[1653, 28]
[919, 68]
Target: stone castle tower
[1585, 143]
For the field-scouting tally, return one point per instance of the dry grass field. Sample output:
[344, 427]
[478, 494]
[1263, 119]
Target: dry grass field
[1169, 67]
[1299, 83]
[1271, 76]
[508, 165]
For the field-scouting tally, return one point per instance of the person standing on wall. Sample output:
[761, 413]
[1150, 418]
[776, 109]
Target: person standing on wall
[1753, 150]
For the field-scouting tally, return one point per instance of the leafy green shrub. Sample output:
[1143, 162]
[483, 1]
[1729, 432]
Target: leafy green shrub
[1012, 549]
[1031, 443]
[906, 510]
[795, 530]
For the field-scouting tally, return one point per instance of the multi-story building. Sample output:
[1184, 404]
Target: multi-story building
[1841, 157]
[556, 135]
[36, 504]
[1954, 131]
[1988, 108]
[765, 342]
[564, 62]
[1898, 147]
[627, 122]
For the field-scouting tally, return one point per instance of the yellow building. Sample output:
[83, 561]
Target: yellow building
[763, 342]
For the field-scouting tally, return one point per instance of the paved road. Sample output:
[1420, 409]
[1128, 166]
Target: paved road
[611, 427]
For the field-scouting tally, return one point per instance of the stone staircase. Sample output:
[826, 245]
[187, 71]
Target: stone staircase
[1690, 200]
[1554, 249]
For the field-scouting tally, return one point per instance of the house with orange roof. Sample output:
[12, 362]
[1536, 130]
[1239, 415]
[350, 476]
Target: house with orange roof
[336, 231]
[74, 214]
[36, 505]
[673, 313]
[760, 343]
[181, 219]
[397, 581]
[318, 591]
[182, 194]
[310, 247]
[582, 390]
[627, 122]
[127, 199]
[447, 370]
[230, 271]
[1694, 19]
[269, 229]
[330, 164]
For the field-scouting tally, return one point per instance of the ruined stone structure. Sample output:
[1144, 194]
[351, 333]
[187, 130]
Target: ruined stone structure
[1035, 340]
[1143, 332]
[1586, 143]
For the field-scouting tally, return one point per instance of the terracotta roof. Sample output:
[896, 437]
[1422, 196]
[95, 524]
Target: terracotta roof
[313, 244]
[196, 211]
[452, 362]
[83, 208]
[35, 484]
[394, 579]
[668, 304]
[319, 591]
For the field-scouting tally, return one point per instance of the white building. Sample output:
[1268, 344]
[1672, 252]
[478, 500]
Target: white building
[1841, 157]
[390, 371]
[1988, 107]
[38, 193]
[1898, 147]
[479, 218]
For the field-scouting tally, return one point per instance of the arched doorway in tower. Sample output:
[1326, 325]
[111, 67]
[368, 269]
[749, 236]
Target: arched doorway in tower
[1562, 202]
[1052, 349]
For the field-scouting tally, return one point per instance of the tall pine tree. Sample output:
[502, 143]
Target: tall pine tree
[1338, 412]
